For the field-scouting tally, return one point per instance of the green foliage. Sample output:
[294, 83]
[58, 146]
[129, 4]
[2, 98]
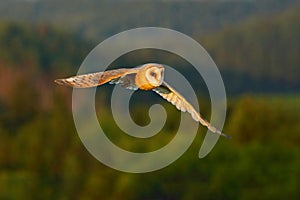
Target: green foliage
[44, 158]
[267, 117]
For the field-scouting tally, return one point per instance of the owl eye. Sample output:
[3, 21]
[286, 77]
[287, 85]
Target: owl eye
[153, 74]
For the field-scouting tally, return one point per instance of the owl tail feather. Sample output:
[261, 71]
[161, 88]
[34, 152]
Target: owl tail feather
[81, 81]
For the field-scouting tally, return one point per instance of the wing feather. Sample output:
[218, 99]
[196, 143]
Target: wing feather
[95, 79]
[171, 95]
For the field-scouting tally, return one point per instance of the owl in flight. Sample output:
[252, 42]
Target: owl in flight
[146, 77]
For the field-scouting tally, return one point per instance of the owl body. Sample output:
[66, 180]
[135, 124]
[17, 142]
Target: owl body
[146, 77]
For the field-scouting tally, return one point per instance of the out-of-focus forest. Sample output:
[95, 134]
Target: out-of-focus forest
[255, 44]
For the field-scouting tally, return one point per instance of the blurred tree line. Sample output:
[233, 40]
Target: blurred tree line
[262, 50]
[101, 19]
[41, 156]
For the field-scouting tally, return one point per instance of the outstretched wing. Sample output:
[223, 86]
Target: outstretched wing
[171, 95]
[95, 79]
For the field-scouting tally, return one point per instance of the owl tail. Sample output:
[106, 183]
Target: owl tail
[81, 81]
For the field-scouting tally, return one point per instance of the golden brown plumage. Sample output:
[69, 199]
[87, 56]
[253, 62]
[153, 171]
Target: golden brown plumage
[147, 77]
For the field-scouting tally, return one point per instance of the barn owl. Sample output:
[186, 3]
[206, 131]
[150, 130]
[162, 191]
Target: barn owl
[146, 77]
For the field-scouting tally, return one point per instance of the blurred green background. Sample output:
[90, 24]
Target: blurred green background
[255, 44]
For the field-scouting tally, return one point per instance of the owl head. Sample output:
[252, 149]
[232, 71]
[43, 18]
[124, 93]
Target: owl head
[154, 73]
[149, 76]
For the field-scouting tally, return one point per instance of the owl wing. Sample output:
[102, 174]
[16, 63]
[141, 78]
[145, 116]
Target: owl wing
[117, 76]
[171, 95]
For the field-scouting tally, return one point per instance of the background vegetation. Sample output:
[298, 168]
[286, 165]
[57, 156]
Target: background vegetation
[256, 47]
